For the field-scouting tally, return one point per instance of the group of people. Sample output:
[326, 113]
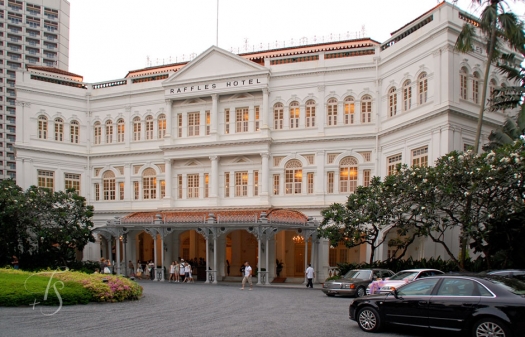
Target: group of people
[145, 269]
[181, 272]
[105, 266]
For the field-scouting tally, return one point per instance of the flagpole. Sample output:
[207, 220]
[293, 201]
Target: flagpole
[217, 29]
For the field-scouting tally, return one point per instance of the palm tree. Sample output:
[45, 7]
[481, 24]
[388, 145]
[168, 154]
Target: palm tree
[498, 28]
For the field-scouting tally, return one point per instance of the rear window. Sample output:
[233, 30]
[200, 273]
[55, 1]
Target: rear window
[405, 275]
[513, 285]
[361, 274]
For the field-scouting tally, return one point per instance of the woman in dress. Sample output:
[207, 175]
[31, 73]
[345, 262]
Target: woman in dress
[177, 271]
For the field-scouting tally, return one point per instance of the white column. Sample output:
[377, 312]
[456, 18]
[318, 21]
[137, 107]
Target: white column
[264, 109]
[167, 177]
[250, 183]
[155, 256]
[117, 245]
[267, 263]
[214, 114]
[320, 113]
[207, 259]
[320, 181]
[259, 262]
[169, 119]
[305, 258]
[214, 190]
[265, 171]
[215, 258]
[161, 257]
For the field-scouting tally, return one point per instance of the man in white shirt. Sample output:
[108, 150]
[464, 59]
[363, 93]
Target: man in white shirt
[247, 275]
[310, 274]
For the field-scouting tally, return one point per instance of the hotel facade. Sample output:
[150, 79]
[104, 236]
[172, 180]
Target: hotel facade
[231, 158]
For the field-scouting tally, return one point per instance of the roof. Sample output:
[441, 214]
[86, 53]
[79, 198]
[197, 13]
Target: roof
[282, 216]
[261, 55]
[56, 71]
[419, 17]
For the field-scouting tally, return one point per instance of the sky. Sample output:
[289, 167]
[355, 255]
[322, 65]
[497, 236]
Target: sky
[108, 38]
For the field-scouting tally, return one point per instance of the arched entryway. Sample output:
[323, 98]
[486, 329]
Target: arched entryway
[241, 246]
[293, 251]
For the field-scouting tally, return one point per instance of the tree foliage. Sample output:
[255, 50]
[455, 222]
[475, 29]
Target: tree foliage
[45, 228]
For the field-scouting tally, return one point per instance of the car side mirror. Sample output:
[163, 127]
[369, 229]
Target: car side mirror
[396, 294]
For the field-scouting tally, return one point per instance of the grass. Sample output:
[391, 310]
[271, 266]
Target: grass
[19, 288]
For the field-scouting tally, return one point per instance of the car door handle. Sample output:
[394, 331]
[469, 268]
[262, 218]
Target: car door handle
[468, 304]
[422, 302]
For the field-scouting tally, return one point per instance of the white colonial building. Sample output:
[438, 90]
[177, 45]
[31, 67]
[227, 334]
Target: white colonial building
[232, 157]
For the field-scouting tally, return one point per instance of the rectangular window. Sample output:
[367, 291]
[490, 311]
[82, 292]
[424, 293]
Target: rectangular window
[179, 186]
[331, 157]
[97, 192]
[392, 162]
[179, 125]
[310, 115]
[136, 190]
[206, 185]
[366, 178]
[208, 123]
[109, 134]
[349, 112]
[276, 184]
[227, 184]
[72, 181]
[278, 117]
[420, 156]
[463, 85]
[193, 124]
[162, 188]
[241, 120]
[310, 182]
[241, 184]
[46, 179]
[136, 129]
[294, 116]
[121, 190]
[226, 121]
[193, 186]
[257, 118]
[330, 182]
[255, 183]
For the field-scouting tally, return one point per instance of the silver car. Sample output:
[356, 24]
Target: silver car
[354, 282]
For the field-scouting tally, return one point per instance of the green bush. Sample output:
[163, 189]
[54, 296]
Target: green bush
[22, 288]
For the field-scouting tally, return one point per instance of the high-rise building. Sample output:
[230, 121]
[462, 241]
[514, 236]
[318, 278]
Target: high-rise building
[33, 33]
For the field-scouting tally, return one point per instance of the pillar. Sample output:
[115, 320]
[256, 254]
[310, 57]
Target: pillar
[214, 191]
[207, 259]
[267, 262]
[168, 176]
[259, 261]
[117, 245]
[264, 109]
[215, 258]
[214, 114]
[155, 256]
[265, 171]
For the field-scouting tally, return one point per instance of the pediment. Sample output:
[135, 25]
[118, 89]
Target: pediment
[193, 163]
[215, 63]
[195, 100]
[241, 160]
[242, 95]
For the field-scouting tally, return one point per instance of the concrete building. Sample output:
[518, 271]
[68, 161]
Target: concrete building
[232, 157]
[32, 32]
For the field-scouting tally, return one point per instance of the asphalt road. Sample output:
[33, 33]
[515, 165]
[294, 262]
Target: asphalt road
[171, 309]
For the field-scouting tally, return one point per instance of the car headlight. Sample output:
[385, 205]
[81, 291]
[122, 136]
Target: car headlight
[349, 286]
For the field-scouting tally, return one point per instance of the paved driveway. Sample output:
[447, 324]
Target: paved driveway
[172, 309]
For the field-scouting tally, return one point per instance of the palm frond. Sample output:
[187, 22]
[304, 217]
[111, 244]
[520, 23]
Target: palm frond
[465, 40]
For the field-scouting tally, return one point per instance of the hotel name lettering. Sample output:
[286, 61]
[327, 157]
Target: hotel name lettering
[210, 86]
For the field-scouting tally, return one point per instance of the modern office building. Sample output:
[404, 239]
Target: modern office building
[232, 157]
[31, 33]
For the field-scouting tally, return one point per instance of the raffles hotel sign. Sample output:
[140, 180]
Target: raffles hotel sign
[213, 87]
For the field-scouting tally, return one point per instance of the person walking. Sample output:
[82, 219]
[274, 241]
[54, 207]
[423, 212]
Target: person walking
[151, 269]
[177, 271]
[187, 272]
[172, 272]
[310, 274]
[131, 268]
[182, 272]
[247, 275]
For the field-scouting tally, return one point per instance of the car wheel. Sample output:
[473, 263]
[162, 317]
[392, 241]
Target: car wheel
[490, 327]
[360, 292]
[368, 319]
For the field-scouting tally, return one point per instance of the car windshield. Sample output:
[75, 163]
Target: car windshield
[513, 285]
[361, 274]
[404, 275]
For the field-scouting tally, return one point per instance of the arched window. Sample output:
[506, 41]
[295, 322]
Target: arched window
[278, 116]
[120, 130]
[366, 109]
[136, 128]
[42, 127]
[162, 125]
[97, 129]
[59, 129]
[407, 95]
[310, 113]
[149, 127]
[294, 177]
[109, 132]
[392, 102]
[349, 110]
[109, 185]
[294, 115]
[149, 184]
[475, 87]
[422, 88]
[348, 175]
[74, 131]
[463, 75]
[331, 112]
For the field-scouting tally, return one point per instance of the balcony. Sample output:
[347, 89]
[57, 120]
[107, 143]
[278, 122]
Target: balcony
[33, 12]
[50, 37]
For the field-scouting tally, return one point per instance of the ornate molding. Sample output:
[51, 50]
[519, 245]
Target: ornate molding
[23, 103]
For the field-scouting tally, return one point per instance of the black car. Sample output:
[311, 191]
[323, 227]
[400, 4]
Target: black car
[481, 306]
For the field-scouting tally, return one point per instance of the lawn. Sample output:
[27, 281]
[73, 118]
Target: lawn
[50, 287]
